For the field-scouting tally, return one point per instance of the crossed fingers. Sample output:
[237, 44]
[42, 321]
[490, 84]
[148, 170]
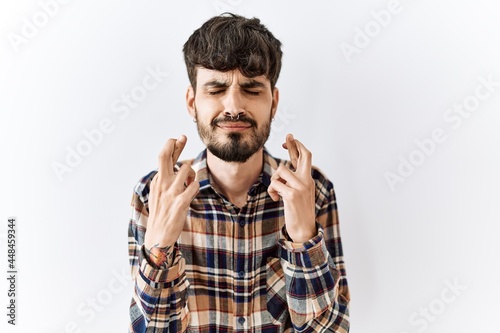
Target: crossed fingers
[286, 182]
[167, 160]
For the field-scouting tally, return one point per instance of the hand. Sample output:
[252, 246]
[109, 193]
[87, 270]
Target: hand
[169, 198]
[297, 188]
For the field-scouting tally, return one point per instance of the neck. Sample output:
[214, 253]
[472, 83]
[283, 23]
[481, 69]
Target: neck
[235, 179]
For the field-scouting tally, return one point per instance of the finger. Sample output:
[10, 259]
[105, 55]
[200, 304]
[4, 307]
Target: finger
[304, 162]
[155, 178]
[292, 149]
[285, 175]
[191, 177]
[191, 191]
[171, 149]
[184, 176]
[277, 189]
[165, 166]
[273, 193]
[179, 147]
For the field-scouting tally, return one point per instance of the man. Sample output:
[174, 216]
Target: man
[235, 240]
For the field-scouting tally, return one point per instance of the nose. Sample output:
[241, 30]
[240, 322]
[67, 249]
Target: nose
[234, 104]
[234, 116]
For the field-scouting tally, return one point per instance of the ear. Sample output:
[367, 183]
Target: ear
[276, 98]
[190, 101]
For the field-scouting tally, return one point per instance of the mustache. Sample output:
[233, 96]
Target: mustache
[228, 119]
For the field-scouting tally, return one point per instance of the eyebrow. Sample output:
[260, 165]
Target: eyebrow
[215, 84]
[223, 84]
[252, 84]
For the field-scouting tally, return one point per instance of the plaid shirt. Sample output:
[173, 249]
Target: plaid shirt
[237, 270]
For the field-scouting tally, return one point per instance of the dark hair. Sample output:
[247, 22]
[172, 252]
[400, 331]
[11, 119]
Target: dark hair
[229, 41]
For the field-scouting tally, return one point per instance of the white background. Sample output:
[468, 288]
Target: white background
[359, 114]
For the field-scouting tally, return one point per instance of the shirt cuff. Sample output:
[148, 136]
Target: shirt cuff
[308, 254]
[169, 275]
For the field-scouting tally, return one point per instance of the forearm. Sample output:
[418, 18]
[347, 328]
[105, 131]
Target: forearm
[315, 300]
[161, 294]
[315, 287]
[160, 257]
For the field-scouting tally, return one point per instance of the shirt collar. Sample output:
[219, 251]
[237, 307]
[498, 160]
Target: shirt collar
[203, 175]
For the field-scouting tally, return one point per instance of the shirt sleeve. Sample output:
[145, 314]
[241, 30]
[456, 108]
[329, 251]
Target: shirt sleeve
[159, 301]
[309, 279]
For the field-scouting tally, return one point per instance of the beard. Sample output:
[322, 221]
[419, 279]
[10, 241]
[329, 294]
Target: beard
[238, 147]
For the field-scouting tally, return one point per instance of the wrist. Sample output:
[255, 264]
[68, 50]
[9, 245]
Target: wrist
[160, 257]
[154, 238]
[301, 235]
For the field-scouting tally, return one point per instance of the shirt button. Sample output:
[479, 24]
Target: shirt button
[242, 223]
[241, 274]
[241, 320]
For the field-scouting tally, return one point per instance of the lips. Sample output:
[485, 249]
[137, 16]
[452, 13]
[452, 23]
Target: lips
[234, 126]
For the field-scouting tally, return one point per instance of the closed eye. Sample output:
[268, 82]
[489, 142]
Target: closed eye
[253, 93]
[216, 92]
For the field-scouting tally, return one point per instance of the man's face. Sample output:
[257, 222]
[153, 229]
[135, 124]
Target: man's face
[233, 112]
